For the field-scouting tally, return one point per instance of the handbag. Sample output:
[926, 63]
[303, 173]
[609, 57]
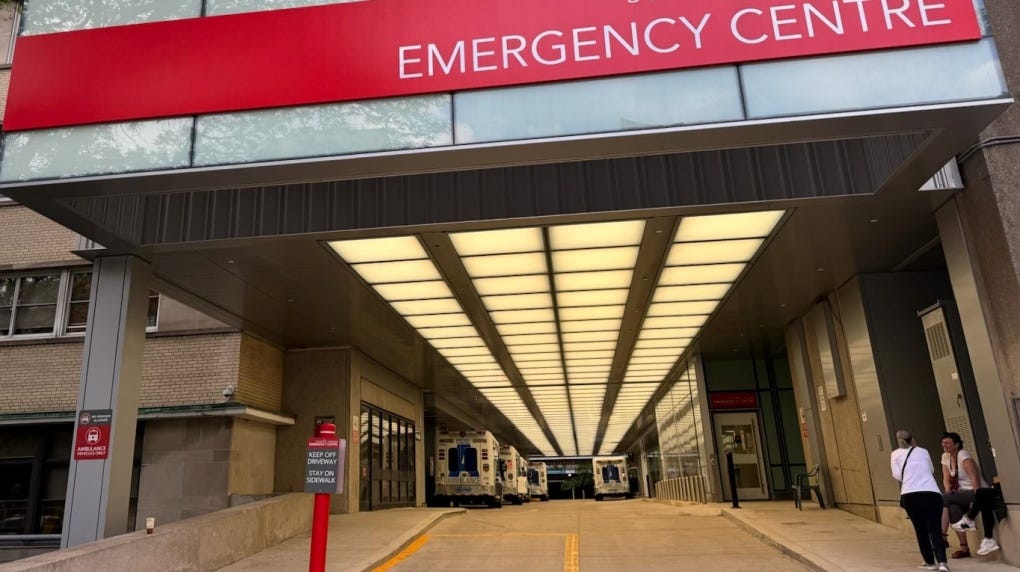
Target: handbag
[998, 503]
[903, 470]
[954, 478]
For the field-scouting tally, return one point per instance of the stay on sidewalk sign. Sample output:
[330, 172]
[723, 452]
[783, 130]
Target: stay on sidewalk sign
[324, 466]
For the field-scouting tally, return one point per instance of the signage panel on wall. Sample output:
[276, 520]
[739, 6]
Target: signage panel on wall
[92, 434]
[375, 49]
[733, 400]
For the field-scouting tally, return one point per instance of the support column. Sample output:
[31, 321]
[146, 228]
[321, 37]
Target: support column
[995, 397]
[98, 490]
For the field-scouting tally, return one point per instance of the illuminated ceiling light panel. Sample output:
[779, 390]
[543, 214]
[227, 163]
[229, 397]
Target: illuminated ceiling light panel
[500, 380]
[592, 298]
[716, 227]
[630, 378]
[480, 369]
[539, 356]
[690, 293]
[588, 354]
[617, 258]
[437, 320]
[449, 332]
[682, 308]
[723, 251]
[379, 249]
[457, 343]
[413, 290]
[572, 369]
[587, 378]
[589, 346]
[526, 328]
[657, 352]
[571, 236]
[651, 360]
[522, 316]
[649, 367]
[708, 274]
[461, 352]
[674, 322]
[419, 307]
[505, 264]
[527, 348]
[599, 280]
[541, 382]
[517, 301]
[591, 313]
[590, 337]
[526, 339]
[589, 326]
[663, 343]
[471, 360]
[498, 241]
[403, 271]
[512, 285]
[539, 370]
[543, 363]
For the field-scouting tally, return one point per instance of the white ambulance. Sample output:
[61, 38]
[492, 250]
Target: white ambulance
[610, 475]
[514, 469]
[538, 481]
[468, 469]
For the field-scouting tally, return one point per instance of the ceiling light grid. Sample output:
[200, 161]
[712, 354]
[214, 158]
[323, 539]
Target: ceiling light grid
[401, 272]
[509, 269]
[708, 255]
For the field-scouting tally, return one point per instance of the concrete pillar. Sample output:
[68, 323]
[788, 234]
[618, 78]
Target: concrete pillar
[98, 490]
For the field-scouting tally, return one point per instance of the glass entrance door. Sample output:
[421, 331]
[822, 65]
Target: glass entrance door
[386, 460]
[739, 432]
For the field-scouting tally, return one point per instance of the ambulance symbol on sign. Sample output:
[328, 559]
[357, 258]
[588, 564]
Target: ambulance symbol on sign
[93, 436]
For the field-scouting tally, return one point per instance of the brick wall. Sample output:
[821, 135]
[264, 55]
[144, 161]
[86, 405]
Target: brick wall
[5, 82]
[260, 376]
[30, 238]
[39, 377]
[179, 370]
[189, 370]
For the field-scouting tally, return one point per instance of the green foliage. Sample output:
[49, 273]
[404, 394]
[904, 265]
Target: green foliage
[580, 481]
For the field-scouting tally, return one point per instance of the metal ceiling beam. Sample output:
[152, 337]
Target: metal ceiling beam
[440, 248]
[655, 243]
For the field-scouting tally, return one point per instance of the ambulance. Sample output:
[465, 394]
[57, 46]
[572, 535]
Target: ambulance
[538, 482]
[468, 469]
[610, 474]
[514, 469]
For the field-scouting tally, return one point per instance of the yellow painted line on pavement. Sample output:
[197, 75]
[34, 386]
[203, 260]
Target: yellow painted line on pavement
[403, 554]
[571, 560]
[497, 534]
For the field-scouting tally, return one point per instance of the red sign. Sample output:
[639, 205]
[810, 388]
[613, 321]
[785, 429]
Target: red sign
[733, 399]
[92, 435]
[367, 50]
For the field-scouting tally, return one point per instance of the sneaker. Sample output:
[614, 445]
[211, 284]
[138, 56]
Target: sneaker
[963, 525]
[928, 566]
[988, 545]
[943, 567]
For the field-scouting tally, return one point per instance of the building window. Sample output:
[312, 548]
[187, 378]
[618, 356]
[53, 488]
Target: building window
[31, 307]
[10, 22]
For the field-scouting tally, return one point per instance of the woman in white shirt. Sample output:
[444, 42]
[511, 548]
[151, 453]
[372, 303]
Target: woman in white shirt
[919, 496]
[961, 480]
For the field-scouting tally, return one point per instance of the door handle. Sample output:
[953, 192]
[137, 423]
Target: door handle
[959, 400]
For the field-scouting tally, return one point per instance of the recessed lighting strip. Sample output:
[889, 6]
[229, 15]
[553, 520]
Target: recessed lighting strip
[401, 272]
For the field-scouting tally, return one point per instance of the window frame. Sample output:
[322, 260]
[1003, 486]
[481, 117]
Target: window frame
[62, 313]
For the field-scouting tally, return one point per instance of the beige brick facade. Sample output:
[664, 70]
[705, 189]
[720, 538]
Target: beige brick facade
[5, 82]
[30, 238]
[177, 370]
[260, 375]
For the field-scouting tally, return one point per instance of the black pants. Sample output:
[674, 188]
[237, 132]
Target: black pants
[984, 500]
[925, 512]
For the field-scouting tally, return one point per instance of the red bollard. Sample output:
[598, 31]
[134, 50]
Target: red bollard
[320, 515]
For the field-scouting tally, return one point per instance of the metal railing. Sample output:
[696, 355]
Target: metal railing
[690, 489]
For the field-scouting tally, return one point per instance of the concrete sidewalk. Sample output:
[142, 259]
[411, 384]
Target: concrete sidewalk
[357, 542]
[834, 540]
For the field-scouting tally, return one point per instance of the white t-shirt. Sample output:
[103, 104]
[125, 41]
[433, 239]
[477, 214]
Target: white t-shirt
[964, 479]
[918, 476]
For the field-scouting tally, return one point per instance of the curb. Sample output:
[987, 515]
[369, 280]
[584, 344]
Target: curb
[411, 536]
[804, 559]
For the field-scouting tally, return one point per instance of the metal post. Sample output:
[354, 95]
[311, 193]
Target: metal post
[732, 473]
[320, 515]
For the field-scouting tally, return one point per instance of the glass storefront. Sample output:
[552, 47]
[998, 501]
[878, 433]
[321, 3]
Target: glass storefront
[387, 460]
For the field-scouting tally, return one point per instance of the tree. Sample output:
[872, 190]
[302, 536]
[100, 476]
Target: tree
[581, 480]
